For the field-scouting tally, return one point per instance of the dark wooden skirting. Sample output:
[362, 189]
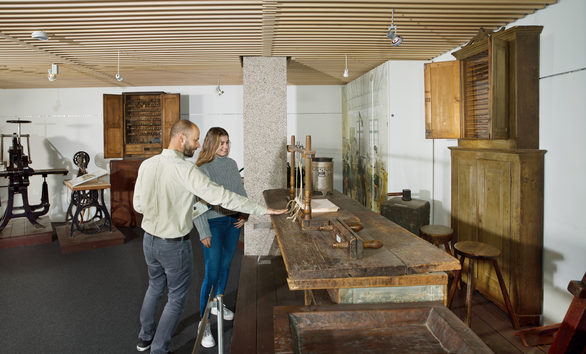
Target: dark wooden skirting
[262, 286]
[20, 232]
[82, 242]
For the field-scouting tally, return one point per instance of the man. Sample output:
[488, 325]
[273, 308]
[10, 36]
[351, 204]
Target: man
[164, 193]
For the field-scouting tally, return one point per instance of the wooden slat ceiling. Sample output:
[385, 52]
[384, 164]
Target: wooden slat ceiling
[186, 42]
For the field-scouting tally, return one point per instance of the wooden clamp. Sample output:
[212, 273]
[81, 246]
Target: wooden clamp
[348, 239]
[308, 155]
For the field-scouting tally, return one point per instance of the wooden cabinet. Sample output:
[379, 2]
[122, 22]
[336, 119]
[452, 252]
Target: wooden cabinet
[137, 124]
[498, 87]
[123, 175]
[497, 198]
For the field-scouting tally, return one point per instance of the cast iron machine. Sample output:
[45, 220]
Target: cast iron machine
[18, 171]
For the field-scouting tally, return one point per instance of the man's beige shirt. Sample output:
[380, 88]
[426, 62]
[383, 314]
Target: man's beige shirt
[165, 192]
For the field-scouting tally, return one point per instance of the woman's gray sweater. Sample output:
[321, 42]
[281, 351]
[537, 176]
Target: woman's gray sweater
[223, 171]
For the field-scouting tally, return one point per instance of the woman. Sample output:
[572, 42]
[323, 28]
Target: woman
[219, 229]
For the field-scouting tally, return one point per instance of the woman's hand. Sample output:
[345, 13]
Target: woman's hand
[238, 224]
[207, 242]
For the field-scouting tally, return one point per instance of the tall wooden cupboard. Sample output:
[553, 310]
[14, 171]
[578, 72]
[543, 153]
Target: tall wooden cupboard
[497, 167]
[136, 126]
[497, 198]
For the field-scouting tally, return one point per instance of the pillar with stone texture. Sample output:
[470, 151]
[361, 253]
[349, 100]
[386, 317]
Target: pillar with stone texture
[265, 142]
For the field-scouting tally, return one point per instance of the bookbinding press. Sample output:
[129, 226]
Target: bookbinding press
[18, 171]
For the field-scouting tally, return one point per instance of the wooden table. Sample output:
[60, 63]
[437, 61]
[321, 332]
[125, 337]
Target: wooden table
[405, 269]
[87, 211]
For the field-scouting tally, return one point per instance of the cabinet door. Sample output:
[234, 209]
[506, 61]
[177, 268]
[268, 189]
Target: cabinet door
[171, 114]
[494, 221]
[113, 126]
[442, 100]
[464, 196]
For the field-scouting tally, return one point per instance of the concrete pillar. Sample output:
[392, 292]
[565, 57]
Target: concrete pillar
[265, 141]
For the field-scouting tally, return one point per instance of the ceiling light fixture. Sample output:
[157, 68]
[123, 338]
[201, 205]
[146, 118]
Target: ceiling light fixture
[219, 91]
[118, 77]
[40, 35]
[346, 69]
[392, 32]
[53, 72]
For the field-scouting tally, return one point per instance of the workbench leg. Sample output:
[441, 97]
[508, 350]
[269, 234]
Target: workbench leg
[308, 297]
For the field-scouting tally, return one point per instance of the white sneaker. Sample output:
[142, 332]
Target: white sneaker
[228, 315]
[208, 340]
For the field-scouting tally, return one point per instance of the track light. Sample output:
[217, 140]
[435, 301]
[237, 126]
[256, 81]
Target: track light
[118, 77]
[392, 32]
[219, 91]
[53, 72]
[346, 69]
[40, 35]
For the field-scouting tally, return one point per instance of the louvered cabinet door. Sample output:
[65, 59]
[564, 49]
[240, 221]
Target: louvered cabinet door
[484, 92]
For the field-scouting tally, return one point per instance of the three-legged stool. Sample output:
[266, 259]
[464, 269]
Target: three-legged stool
[438, 235]
[484, 252]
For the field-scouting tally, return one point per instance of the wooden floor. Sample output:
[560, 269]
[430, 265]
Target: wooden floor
[492, 325]
[263, 285]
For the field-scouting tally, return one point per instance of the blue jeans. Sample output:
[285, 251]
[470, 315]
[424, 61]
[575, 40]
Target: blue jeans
[218, 257]
[169, 264]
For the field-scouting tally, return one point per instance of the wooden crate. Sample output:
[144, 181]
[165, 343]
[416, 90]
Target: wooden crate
[373, 329]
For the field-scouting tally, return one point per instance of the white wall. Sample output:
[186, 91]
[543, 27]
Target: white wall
[317, 111]
[65, 121]
[415, 163]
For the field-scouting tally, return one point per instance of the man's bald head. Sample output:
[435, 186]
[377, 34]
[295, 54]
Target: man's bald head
[182, 126]
[184, 137]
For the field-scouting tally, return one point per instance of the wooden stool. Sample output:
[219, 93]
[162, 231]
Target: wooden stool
[438, 234]
[484, 252]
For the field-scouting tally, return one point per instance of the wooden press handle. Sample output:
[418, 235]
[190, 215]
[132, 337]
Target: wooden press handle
[366, 244]
[372, 244]
[355, 226]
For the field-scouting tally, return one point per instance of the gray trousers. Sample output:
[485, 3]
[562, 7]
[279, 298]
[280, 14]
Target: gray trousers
[170, 264]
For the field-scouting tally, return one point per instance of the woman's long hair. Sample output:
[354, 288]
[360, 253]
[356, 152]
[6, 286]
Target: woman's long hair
[211, 144]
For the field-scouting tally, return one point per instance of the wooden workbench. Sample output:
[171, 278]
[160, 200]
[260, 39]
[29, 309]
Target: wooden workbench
[405, 269]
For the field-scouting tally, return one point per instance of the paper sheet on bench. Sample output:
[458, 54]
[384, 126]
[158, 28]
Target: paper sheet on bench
[319, 205]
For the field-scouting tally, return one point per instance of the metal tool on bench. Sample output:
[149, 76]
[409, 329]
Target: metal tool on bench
[346, 238]
[405, 194]
[18, 172]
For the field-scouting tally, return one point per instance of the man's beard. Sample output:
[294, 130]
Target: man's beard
[188, 150]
